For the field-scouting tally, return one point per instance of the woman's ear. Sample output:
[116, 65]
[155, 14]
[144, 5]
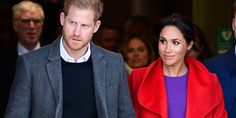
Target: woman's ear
[190, 45]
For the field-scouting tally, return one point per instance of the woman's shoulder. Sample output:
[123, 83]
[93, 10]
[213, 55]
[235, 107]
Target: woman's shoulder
[199, 69]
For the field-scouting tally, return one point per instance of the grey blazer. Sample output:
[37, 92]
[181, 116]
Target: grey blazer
[37, 91]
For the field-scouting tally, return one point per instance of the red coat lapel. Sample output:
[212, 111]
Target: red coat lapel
[202, 95]
[152, 93]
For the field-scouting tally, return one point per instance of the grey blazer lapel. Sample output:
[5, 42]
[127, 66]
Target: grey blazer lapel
[99, 66]
[55, 76]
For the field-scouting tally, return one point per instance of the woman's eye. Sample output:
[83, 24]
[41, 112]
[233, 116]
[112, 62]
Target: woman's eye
[162, 41]
[130, 50]
[175, 42]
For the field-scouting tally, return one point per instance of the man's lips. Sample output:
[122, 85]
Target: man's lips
[76, 39]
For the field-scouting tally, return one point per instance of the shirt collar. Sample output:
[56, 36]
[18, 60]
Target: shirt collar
[22, 50]
[68, 58]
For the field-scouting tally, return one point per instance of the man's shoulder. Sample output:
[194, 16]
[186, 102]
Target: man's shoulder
[39, 53]
[215, 59]
[219, 58]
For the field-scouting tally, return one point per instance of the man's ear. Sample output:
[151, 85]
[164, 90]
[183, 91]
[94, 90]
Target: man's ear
[97, 25]
[62, 18]
[233, 24]
[15, 25]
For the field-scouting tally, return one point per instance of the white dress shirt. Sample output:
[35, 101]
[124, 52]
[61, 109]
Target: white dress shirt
[68, 58]
[22, 50]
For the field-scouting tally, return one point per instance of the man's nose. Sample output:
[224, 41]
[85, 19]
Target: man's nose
[32, 24]
[77, 30]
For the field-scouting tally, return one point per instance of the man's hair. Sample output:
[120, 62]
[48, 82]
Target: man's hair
[96, 5]
[234, 8]
[26, 6]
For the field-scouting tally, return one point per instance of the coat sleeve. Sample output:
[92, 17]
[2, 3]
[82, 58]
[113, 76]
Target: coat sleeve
[20, 96]
[220, 111]
[125, 109]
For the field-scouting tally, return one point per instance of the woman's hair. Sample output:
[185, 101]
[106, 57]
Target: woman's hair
[179, 21]
[96, 5]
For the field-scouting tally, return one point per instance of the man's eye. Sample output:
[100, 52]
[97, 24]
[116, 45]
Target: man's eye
[73, 23]
[84, 25]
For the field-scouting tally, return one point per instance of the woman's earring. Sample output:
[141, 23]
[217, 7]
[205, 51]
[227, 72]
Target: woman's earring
[188, 51]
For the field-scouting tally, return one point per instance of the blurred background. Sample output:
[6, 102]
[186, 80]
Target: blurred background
[212, 16]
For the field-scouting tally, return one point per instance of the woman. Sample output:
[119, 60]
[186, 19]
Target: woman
[175, 85]
[137, 51]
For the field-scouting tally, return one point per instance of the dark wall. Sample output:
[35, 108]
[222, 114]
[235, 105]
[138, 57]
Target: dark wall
[115, 13]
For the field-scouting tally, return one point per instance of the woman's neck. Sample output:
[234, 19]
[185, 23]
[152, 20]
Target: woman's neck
[176, 70]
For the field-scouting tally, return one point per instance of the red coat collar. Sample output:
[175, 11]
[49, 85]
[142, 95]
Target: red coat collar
[202, 94]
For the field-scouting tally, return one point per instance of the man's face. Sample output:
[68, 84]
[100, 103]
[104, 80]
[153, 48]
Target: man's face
[78, 29]
[29, 27]
[109, 39]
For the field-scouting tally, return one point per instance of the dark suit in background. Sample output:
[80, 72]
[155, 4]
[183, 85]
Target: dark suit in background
[8, 59]
[224, 66]
[7, 71]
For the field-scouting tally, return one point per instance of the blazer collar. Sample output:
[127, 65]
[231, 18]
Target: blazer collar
[54, 74]
[201, 93]
[54, 52]
[99, 70]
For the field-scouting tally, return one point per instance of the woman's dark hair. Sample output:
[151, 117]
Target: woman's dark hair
[179, 21]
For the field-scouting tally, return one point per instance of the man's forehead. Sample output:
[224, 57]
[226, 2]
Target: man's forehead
[32, 13]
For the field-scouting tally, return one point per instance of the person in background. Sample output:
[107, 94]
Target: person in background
[72, 77]
[137, 51]
[200, 49]
[224, 65]
[108, 38]
[28, 19]
[137, 24]
[176, 85]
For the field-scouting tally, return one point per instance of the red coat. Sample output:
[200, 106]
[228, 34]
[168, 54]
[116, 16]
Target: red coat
[204, 93]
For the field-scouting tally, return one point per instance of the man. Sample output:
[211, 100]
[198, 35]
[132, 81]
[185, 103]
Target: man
[28, 24]
[72, 77]
[108, 38]
[224, 66]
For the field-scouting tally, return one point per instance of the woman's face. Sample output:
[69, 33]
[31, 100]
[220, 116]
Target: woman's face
[172, 46]
[137, 53]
